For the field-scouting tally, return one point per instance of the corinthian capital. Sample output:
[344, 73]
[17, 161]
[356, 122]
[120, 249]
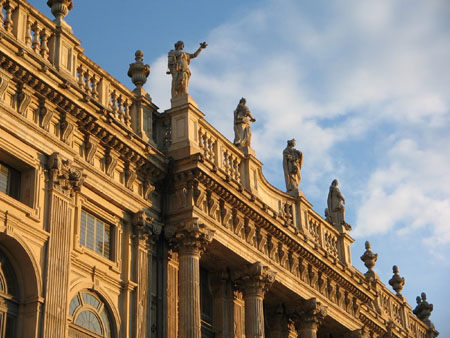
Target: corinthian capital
[254, 279]
[189, 237]
[310, 314]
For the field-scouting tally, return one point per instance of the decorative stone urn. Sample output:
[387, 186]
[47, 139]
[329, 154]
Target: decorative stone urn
[397, 281]
[60, 8]
[369, 258]
[138, 71]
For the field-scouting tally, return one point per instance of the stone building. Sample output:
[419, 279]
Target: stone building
[117, 220]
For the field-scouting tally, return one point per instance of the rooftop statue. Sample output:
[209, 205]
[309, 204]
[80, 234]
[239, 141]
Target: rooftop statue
[178, 65]
[336, 206]
[242, 119]
[292, 165]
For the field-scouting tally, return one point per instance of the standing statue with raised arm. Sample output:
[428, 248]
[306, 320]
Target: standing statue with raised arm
[292, 165]
[242, 119]
[178, 65]
[336, 206]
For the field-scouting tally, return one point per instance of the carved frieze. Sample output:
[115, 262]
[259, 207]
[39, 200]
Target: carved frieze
[64, 176]
[309, 314]
[145, 226]
[254, 279]
[189, 237]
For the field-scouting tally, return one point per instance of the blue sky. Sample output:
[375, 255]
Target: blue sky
[363, 86]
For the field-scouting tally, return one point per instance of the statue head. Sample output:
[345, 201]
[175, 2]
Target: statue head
[291, 143]
[335, 183]
[179, 45]
[418, 300]
[424, 296]
[242, 101]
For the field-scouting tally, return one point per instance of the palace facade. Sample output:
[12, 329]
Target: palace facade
[117, 220]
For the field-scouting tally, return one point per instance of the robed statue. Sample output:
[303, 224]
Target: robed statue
[292, 165]
[335, 212]
[178, 65]
[242, 119]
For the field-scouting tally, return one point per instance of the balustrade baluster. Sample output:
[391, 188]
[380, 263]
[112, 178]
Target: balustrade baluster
[94, 86]
[127, 114]
[36, 38]
[1, 13]
[113, 103]
[44, 46]
[28, 33]
[7, 23]
[87, 82]
[119, 108]
[80, 72]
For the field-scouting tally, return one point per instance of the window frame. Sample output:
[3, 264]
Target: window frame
[113, 221]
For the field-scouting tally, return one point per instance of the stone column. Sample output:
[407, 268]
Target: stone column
[308, 317]
[190, 240]
[145, 232]
[254, 281]
[65, 181]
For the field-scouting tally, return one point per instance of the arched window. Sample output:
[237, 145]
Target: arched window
[8, 298]
[89, 316]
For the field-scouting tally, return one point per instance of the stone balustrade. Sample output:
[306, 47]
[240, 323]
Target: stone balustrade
[53, 45]
[220, 152]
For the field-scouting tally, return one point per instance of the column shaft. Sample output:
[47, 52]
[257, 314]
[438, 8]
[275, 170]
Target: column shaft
[254, 315]
[189, 291]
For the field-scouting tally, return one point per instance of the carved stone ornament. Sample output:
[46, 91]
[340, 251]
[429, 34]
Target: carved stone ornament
[397, 282]
[138, 71]
[4, 82]
[65, 177]
[145, 226]
[90, 147]
[369, 259]
[309, 314]
[189, 237]
[148, 188]
[130, 175]
[110, 162]
[67, 129]
[45, 115]
[60, 8]
[23, 100]
[254, 279]
[423, 310]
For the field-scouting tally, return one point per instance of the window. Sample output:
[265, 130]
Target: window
[206, 305]
[8, 299]
[95, 234]
[90, 317]
[9, 181]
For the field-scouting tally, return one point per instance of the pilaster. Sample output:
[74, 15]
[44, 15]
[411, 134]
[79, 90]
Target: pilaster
[146, 230]
[64, 181]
